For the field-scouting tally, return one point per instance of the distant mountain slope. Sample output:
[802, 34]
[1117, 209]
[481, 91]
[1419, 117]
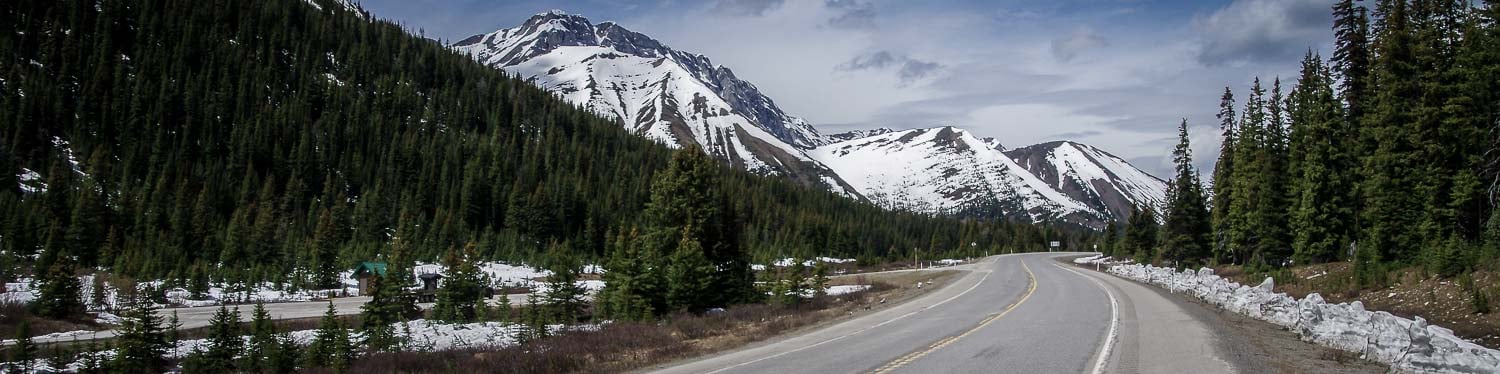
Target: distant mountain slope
[674, 97]
[1102, 181]
[681, 98]
[945, 169]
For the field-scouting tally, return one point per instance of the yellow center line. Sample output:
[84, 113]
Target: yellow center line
[940, 343]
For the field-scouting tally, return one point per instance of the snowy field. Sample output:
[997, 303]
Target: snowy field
[500, 275]
[1405, 344]
[418, 335]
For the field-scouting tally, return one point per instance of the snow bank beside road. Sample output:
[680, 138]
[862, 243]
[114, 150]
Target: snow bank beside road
[1409, 345]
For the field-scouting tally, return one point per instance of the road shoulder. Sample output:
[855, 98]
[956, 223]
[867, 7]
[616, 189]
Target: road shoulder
[1253, 346]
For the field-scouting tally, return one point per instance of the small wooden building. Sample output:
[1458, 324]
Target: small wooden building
[364, 271]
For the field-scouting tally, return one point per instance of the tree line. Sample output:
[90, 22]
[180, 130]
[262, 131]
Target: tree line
[1383, 154]
[272, 141]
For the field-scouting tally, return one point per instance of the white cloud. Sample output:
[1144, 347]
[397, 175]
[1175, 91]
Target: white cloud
[1082, 39]
[1264, 30]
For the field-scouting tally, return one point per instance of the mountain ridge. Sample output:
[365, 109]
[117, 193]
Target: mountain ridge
[681, 98]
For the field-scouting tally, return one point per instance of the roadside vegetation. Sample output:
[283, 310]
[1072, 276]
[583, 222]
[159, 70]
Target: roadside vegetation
[1371, 178]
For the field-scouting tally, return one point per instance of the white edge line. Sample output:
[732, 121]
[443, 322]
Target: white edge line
[830, 340]
[1114, 321]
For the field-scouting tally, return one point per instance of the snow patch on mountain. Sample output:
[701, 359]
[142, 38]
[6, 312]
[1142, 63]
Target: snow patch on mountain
[673, 97]
[679, 99]
[943, 169]
[1104, 182]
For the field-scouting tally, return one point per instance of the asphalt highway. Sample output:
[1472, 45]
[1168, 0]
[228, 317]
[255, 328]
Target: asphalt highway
[1023, 313]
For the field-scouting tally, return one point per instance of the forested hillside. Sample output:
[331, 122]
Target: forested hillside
[1383, 155]
[265, 139]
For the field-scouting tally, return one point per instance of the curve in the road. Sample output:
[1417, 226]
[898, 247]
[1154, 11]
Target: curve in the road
[1055, 320]
[856, 332]
[1114, 323]
[908, 358]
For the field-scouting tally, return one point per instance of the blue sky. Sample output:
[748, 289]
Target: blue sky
[1117, 74]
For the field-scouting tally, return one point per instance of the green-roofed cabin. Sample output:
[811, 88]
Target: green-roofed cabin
[364, 271]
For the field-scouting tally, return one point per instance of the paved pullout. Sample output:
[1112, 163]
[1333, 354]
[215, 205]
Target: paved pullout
[1020, 313]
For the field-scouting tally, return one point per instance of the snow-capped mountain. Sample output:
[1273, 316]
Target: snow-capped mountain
[945, 169]
[1105, 183]
[681, 98]
[674, 97]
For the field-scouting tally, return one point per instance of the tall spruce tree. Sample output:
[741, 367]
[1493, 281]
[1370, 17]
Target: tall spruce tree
[389, 302]
[686, 200]
[565, 296]
[141, 346]
[331, 347]
[462, 293]
[1141, 235]
[224, 344]
[1351, 56]
[1186, 234]
[1223, 178]
[1246, 178]
[631, 279]
[689, 275]
[23, 352]
[263, 342]
[61, 294]
[1389, 171]
[1274, 244]
[1322, 196]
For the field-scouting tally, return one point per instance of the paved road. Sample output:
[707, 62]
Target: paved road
[1020, 313]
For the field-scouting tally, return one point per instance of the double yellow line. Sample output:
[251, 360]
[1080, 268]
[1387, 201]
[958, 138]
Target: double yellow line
[913, 356]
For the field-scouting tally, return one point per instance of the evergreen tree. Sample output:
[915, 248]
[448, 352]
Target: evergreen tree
[140, 346]
[263, 342]
[630, 280]
[1141, 235]
[686, 200]
[326, 246]
[1351, 56]
[462, 292]
[565, 296]
[1111, 239]
[331, 347]
[1390, 169]
[224, 342]
[23, 353]
[533, 320]
[689, 275]
[820, 279]
[1322, 215]
[61, 295]
[389, 302]
[1223, 182]
[1186, 234]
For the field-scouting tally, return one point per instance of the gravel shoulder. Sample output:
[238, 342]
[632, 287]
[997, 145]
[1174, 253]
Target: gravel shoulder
[1253, 346]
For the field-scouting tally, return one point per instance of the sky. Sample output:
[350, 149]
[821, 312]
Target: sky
[1116, 74]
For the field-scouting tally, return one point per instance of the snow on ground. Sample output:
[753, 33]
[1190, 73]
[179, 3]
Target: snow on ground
[418, 335]
[846, 289]
[1405, 344]
[500, 274]
[785, 262]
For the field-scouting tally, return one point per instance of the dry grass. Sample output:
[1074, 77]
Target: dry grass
[621, 347]
[11, 315]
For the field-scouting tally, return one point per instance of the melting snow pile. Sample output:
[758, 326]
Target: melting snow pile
[1403, 343]
[846, 289]
[949, 262]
